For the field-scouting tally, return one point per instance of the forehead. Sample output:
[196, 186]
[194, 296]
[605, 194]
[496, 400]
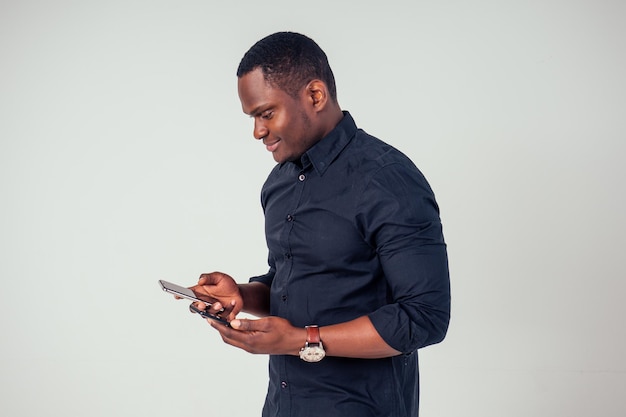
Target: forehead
[256, 94]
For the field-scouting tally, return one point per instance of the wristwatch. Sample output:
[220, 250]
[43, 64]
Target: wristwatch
[313, 350]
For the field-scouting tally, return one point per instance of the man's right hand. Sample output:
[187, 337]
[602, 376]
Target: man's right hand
[223, 291]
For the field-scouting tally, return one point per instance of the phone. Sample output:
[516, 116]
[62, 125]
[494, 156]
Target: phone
[181, 291]
[207, 315]
[190, 295]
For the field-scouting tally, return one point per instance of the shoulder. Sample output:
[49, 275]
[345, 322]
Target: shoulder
[369, 155]
[384, 172]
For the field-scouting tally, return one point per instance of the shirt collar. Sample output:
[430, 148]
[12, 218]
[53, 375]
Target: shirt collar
[324, 152]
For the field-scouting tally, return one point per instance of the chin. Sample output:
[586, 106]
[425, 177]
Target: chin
[280, 158]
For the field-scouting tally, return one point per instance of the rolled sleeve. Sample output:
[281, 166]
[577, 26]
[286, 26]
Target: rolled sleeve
[401, 219]
[265, 279]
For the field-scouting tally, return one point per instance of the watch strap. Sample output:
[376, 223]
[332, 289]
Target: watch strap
[313, 334]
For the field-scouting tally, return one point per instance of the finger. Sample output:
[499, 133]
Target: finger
[207, 279]
[217, 306]
[237, 337]
[230, 311]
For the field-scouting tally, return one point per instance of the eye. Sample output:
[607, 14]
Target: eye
[267, 114]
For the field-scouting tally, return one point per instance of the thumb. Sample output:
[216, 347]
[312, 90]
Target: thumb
[244, 325]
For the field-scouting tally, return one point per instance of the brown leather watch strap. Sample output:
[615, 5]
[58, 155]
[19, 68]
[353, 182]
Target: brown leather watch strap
[313, 334]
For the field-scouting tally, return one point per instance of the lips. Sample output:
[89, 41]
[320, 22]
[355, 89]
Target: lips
[271, 146]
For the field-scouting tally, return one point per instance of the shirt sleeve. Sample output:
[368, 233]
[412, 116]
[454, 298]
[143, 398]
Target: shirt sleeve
[268, 277]
[399, 216]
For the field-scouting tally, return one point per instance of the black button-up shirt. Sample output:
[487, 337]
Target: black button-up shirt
[353, 229]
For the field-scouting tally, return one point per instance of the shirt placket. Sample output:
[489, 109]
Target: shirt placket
[290, 221]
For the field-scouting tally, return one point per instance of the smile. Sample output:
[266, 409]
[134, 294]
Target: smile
[271, 147]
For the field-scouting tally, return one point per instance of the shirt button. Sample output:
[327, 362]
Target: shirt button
[289, 218]
[283, 384]
[287, 256]
[302, 177]
[284, 298]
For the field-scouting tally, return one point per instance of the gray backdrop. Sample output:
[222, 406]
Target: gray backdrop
[125, 158]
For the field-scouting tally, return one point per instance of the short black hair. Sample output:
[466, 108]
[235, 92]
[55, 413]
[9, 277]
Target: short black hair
[289, 61]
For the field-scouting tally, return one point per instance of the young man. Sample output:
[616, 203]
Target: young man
[358, 273]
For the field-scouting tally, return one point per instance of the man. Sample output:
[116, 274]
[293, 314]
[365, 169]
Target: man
[356, 250]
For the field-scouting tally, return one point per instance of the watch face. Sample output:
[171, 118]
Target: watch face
[312, 354]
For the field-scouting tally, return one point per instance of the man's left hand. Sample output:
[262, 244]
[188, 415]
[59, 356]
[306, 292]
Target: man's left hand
[268, 335]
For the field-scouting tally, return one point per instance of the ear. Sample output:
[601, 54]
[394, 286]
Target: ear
[317, 94]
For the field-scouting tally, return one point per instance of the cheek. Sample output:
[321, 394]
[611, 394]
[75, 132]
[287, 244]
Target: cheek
[280, 126]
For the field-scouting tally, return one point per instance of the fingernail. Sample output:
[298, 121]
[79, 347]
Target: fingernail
[235, 323]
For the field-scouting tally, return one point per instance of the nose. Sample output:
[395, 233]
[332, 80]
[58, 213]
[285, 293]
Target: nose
[260, 130]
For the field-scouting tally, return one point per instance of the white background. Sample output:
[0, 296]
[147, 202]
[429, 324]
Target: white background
[125, 158]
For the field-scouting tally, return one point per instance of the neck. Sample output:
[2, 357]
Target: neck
[332, 116]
